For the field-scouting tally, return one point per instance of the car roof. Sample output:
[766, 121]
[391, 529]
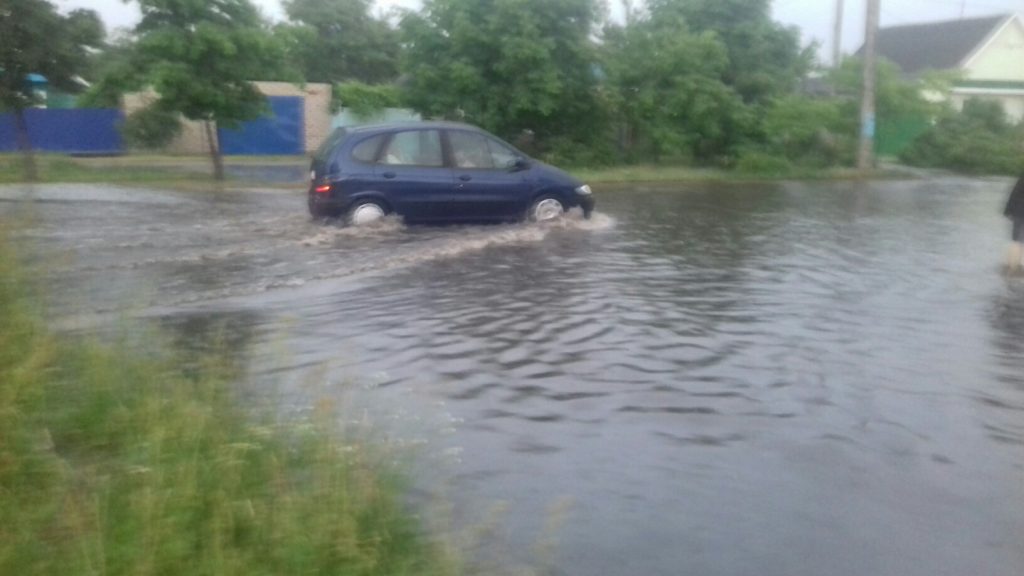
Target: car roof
[394, 126]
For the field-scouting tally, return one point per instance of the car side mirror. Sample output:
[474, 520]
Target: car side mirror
[519, 164]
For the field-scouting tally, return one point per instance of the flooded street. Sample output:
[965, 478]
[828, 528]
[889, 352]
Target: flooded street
[783, 379]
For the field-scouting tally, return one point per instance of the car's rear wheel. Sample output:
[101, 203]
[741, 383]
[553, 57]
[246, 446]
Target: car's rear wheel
[546, 209]
[367, 212]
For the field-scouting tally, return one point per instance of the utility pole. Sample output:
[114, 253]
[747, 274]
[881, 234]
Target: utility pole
[866, 156]
[837, 35]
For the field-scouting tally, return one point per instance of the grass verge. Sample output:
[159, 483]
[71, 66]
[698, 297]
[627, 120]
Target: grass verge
[55, 168]
[166, 171]
[113, 462]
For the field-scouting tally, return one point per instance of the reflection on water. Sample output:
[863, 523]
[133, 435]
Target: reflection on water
[787, 379]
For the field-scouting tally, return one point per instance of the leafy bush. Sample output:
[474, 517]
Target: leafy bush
[365, 99]
[897, 96]
[810, 131]
[151, 128]
[978, 140]
[763, 164]
[567, 152]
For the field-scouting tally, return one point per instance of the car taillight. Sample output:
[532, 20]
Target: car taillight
[322, 189]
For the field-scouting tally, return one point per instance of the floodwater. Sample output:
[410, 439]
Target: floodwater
[787, 379]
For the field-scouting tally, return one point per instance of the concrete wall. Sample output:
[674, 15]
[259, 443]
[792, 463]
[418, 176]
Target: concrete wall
[192, 140]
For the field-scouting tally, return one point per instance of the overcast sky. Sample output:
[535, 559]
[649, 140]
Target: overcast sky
[813, 17]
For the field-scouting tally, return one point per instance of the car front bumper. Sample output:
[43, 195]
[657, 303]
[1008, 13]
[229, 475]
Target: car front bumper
[587, 203]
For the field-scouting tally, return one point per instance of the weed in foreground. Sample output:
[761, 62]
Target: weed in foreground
[112, 462]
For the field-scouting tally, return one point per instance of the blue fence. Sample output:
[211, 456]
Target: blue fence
[281, 133]
[79, 131]
[85, 131]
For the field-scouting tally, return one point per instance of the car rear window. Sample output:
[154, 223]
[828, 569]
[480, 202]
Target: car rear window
[328, 146]
[366, 151]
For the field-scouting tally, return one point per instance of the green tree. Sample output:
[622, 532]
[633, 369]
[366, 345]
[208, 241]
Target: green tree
[896, 96]
[151, 128]
[364, 99]
[765, 59]
[36, 39]
[669, 90]
[199, 57]
[339, 40]
[110, 72]
[977, 140]
[507, 65]
[85, 28]
[810, 131]
[905, 106]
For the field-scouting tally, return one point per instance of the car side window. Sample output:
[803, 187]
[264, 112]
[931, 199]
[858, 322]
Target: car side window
[502, 155]
[366, 151]
[470, 150]
[414, 148]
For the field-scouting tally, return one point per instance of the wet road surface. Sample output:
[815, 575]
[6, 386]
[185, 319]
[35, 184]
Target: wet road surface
[789, 379]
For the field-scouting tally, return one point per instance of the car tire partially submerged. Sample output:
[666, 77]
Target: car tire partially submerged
[546, 209]
[367, 212]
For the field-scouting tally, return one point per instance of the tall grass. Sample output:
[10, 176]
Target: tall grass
[112, 462]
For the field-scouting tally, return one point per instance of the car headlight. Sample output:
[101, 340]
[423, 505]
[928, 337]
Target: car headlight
[584, 190]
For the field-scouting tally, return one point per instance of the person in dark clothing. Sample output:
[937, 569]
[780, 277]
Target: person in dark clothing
[1015, 212]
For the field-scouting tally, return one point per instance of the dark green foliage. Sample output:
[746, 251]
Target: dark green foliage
[978, 140]
[897, 96]
[507, 65]
[669, 91]
[765, 59]
[364, 99]
[200, 57]
[111, 75]
[85, 28]
[810, 131]
[902, 109]
[692, 79]
[763, 164]
[338, 40]
[151, 128]
[36, 39]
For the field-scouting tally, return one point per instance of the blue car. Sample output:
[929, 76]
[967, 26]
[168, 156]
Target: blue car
[433, 172]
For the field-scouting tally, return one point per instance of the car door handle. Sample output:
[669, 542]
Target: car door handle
[465, 177]
[389, 175]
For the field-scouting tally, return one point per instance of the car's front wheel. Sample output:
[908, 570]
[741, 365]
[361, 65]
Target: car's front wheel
[367, 212]
[546, 209]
